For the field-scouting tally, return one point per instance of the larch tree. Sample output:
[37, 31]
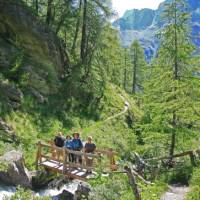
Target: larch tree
[49, 12]
[138, 66]
[172, 94]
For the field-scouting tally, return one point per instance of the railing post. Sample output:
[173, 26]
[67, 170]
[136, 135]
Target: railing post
[84, 161]
[133, 183]
[64, 160]
[192, 159]
[99, 161]
[111, 159]
[38, 158]
[53, 152]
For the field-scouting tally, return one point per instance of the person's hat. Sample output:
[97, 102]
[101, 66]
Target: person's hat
[59, 133]
[76, 133]
[90, 138]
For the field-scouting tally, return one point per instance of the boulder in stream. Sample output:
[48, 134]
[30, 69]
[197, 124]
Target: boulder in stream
[82, 192]
[13, 170]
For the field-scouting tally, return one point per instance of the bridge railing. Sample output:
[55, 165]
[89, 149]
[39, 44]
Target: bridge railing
[103, 160]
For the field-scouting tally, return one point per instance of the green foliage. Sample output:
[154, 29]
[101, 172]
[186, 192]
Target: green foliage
[4, 166]
[166, 103]
[111, 190]
[118, 187]
[194, 194]
[195, 177]
[38, 122]
[5, 147]
[169, 104]
[134, 68]
[180, 174]
[109, 56]
[153, 192]
[139, 66]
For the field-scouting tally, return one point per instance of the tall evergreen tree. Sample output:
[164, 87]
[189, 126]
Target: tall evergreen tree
[138, 64]
[172, 92]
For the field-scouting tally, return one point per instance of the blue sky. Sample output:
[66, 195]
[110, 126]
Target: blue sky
[122, 5]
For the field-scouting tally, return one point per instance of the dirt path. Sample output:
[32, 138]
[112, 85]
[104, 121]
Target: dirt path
[126, 107]
[175, 193]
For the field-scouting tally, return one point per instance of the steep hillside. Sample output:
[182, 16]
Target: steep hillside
[144, 24]
[33, 100]
[32, 57]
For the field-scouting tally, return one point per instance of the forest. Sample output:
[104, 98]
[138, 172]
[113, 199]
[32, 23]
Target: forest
[64, 69]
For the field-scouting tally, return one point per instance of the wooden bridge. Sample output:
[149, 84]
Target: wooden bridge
[59, 160]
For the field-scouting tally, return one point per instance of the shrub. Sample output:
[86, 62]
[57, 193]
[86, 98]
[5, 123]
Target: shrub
[194, 194]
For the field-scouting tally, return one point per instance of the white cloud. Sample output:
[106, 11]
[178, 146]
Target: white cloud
[122, 5]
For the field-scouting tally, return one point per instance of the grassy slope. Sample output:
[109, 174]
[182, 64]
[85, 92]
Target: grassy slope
[35, 122]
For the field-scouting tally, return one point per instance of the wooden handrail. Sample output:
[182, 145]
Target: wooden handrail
[65, 153]
[106, 151]
[95, 154]
[168, 157]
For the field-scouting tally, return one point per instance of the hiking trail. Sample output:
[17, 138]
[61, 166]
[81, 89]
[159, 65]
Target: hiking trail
[175, 192]
[126, 107]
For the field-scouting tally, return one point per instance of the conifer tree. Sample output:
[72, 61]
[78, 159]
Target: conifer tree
[138, 65]
[172, 94]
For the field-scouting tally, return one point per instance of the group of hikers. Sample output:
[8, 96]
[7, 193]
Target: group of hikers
[76, 144]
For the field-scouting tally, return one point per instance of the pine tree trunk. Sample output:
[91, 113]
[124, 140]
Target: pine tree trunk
[84, 33]
[134, 71]
[49, 12]
[125, 70]
[77, 28]
[133, 183]
[63, 16]
[173, 138]
[175, 73]
[36, 6]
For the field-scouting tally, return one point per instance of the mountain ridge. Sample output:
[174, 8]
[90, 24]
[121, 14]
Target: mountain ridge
[143, 24]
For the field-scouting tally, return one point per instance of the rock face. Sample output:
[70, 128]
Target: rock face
[83, 190]
[13, 171]
[40, 179]
[65, 195]
[33, 57]
[145, 23]
[136, 19]
[6, 132]
[10, 95]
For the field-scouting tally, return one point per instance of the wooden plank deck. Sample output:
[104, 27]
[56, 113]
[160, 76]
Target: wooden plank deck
[73, 172]
[46, 158]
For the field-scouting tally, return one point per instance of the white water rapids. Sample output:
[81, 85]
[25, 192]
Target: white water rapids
[51, 192]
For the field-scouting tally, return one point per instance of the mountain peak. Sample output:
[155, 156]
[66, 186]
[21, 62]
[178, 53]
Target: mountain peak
[142, 24]
[136, 19]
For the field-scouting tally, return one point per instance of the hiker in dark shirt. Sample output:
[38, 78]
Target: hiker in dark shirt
[59, 141]
[77, 145]
[90, 147]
